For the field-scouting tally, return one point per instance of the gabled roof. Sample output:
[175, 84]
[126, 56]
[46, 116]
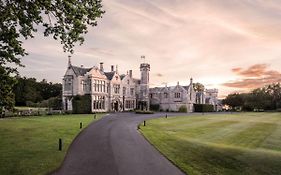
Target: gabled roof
[186, 87]
[109, 75]
[122, 76]
[80, 70]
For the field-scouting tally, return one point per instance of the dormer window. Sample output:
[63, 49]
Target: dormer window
[177, 95]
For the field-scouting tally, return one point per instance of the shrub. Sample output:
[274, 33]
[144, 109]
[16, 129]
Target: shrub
[55, 103]
[183, 108]
[203, 108]
[144, 112]
[81, 104]
[155, 107]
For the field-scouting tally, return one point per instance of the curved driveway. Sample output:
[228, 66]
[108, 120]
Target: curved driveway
[113, 146]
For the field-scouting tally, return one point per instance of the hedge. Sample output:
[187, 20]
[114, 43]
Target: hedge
[155, 107]
[183, 108]
[81, 104]
[203, 108]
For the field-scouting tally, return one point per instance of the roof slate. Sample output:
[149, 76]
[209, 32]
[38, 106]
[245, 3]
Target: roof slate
[80, 70]
[109, 75]
[122, 76]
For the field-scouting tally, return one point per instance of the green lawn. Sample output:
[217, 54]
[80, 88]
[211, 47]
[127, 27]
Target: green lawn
[29, 145]
[244, 143]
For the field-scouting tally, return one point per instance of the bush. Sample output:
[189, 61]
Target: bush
[81, 104]
[144, 112]
[183, 108]
[55, 103]
[155, 107]
[203, 108]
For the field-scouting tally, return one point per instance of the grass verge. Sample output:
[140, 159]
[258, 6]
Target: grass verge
[29, 145]
[246, 143]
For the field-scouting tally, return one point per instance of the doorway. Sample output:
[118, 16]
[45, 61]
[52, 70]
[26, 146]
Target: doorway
[115, 106]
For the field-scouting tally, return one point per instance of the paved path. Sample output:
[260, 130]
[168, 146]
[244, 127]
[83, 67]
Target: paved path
[113, 146]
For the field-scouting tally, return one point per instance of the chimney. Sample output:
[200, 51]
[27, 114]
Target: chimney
[101, 66]
[116, 68]
[130, 73]
[191, 80]
[69, 60]
[112, 68]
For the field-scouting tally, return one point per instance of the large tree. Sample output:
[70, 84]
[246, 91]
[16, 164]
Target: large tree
[265, 98]
[64, 20]
[198, 87]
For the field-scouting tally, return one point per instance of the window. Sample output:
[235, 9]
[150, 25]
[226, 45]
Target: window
[99, 102]
[132, 91]
[124, 90]
[95, 85]
[165, 95]
[116, 88]
[67, 84]
[177, 95]
[84, 85]
[103, 86]
[128, 81]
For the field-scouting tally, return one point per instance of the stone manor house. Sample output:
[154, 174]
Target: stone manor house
[112, 91]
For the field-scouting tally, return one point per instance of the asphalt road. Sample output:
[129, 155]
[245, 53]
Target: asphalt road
[113, 146]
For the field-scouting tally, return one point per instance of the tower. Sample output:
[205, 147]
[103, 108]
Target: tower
[191, 96]
[144, 86]
[69, 61]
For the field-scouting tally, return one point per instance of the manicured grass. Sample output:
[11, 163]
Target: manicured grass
[244, 143]
[29, 145]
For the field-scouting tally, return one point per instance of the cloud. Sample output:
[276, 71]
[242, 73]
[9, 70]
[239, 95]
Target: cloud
[211, 41]
[159, 75]
[257, 70]
[238, 69]
[255, 76]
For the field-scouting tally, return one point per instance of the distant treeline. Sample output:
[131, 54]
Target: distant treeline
[260, 99]
[30, 92]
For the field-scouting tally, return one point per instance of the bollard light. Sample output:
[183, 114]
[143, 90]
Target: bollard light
[60, 144]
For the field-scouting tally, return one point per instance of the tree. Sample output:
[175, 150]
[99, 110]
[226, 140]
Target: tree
[274, 90]
[265, 98]
[29, 90]
[234, 100]
[198, 87]
[6, 93]
[258, 99]
[64, 20]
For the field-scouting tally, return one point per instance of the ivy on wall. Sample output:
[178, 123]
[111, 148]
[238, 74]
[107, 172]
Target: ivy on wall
[81, 104]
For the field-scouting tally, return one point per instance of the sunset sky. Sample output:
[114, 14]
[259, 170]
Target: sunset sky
[225, 44]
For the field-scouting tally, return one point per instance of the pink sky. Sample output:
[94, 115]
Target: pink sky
[224, 44]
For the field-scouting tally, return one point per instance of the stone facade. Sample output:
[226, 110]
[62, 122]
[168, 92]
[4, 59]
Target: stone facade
[173, 97]
[109, 91]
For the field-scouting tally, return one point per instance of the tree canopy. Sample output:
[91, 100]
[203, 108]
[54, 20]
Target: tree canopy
[64, 20]
[198, 87]
[265, 98]
[29, 90]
